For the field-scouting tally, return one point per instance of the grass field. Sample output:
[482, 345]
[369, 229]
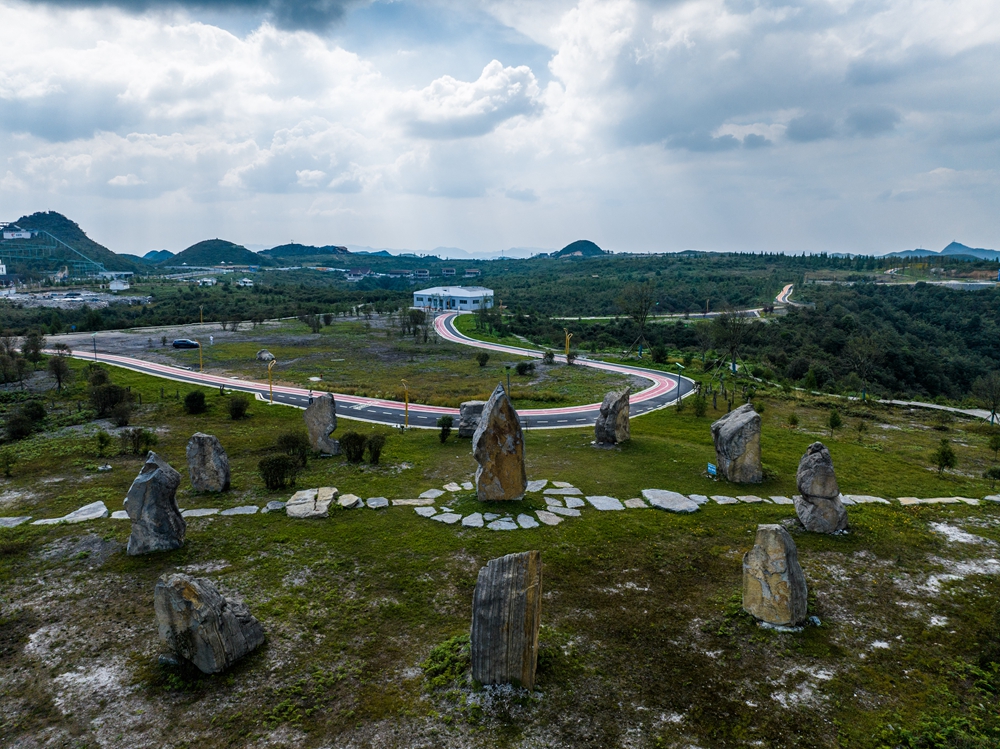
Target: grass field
[643, 642]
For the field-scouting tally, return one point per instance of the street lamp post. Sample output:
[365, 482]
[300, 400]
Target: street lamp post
[270, 386]
[679, 368]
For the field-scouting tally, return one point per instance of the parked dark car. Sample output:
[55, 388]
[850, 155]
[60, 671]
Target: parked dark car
[185, 343]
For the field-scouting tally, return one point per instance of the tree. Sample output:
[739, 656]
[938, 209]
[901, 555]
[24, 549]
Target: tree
[445, 422]
[986, 391]
[944, 456]
[636, 301]
[60, 370]
[32, 345]
[995, 444]
[863, 354]
[732, 331]
[835, 421]
[482, 358]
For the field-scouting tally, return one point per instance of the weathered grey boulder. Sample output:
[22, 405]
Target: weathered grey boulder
[612, 425]
[321, 421]
[498, 447]
[774, 588]
[264, 355]
[199, 624]
[737, 445]
[151, 504]
[819, 506]
[506, 614]
[468, 418]
[208, 464]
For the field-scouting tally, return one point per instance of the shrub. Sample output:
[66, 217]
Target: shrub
[194, 402]
[992, 474]
[548, 358]
[106, 396]
[793, 420]
[374, 445]
[659, 354]
[8, 459]
[238, 405]
[121, 414]
[482, 358]
[278, 471]
[944, 456]
[97, 375]
[296, 445]
[700, 405]
[525, 368]
[445, 423]
[19, 426]
[60, 371]
[994, 444]
[448, 662]
[759, 407]
[571, 357]
[103, 442]
[353, 446]
[34, 410]
[136, 441]
[835, 421]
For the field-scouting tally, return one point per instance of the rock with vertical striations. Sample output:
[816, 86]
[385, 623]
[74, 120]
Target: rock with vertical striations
[774, 588]
[498, 447]
[151, 504]
[612, 425]
[506, 613]
[202, 626]
[737, 445]
[321, 421]
[819, 508]
[468, 419]
[208, 464]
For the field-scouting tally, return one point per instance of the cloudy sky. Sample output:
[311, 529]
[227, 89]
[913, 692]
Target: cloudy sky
[644, 125]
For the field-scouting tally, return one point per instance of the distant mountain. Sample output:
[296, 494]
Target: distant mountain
[70, 232]
[215, 252]
[580, 248]
[303, 250]
[157, 256]
[955, 249]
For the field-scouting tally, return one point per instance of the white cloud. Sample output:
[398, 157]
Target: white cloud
[126, 180]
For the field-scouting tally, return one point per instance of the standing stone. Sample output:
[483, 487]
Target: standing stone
[819, 506]
[612, 425]
[201, 626]
[774, 588]
[321, 421]
[208, 464]
[264, 355]
[498, 447]
[737, 445]
[468, 418]
[151, 504]
[506, 613]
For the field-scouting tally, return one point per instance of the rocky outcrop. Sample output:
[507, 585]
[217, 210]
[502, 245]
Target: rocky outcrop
[819, 506]
[737, 445]
[468, 419]
[208, 464]
[202, 626]
[264, 355]
[321, 421]
[498, 447]
[506, 614]
[612, 425]
[774, 588]
[151, 504]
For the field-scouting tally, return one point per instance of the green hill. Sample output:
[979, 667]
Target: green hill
[580, 248]
[303, 250]
[70, 232]
[211, 252]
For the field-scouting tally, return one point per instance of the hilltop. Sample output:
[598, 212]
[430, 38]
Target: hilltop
[580, 248]
[70, 232]
[211, 252]
[157, 256]
[954, 250]
[303, 250]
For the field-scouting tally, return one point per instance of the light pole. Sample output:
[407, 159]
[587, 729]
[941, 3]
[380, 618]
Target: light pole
[270, 386]
[679, 368]
[406, 404]
[201, 363]
[93, 337]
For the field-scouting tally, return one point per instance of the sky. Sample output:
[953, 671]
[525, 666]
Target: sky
[864, 126]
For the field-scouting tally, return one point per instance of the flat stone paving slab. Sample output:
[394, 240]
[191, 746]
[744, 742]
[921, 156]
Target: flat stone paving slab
[573, 502]
[526, 521]
[350, 501]
[722, 499]
[431, 494]
[537, 485]
[451, 486]
[864, 499]
[412, 502]
[467, 485]
[14, 522]
[490, 516]
[605, 503]
[548, 518]
[242, 510]
[274, 505]
[475, 520]
[636, 504]
[450, 518]
[93, 511]
[749, 498]
[425, 512]
[662, 499]
[699, 499]
[779, 500]
[992, 498]
[564, 490]
[562, 485]
[932, 500]
[377, 503]
[503, 524]
[554, 501]
[122, 515]
[199, 512]
[566, 511]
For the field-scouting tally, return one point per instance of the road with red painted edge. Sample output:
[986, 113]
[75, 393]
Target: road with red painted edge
[661, 393]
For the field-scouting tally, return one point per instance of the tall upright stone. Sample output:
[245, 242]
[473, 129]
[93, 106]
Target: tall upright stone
[506, 614]
[321, 421]
[498, 447]
[819, 506]
[468, 418]
[208, 464]
[737, 445]
[202, 626]
[612, 425]
[151, 504]
[774, 588]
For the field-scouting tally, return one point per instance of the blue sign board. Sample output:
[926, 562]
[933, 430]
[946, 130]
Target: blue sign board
[711, 469]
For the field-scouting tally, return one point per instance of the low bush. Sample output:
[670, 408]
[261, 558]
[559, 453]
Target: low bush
[700, 405]
[374, 445]
[548, 358]
[121, 414]
[278, 471]
[97, 375]
[525, 368]
[136, 441]
[104, 441]
[482, 358]
[352, 445]
[8, 459]
[18, 426]
[296, 445]
[106, 396]
[445, 422]
[34, 410]
[194, 402]
[239, 403]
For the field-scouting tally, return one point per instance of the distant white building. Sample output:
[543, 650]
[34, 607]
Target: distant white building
[118, 285]
[462, 298]
[207, 282]
[245, 283]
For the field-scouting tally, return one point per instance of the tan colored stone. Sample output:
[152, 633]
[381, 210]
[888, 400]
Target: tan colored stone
[321, 421]
[612, 425]
[774, 588]
[498, 447]
[737, 446]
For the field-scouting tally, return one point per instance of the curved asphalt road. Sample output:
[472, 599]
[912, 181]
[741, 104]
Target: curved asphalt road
[662, 391]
